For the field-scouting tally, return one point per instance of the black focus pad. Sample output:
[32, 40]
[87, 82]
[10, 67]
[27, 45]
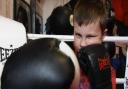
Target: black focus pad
[38, 65]
[95, 63]
[58, 22]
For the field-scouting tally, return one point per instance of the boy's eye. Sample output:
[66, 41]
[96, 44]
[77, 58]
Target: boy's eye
[77, 35]
[90, 36]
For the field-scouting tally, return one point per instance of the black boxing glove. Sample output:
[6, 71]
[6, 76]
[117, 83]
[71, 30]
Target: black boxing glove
[95, 63]
[40, 64]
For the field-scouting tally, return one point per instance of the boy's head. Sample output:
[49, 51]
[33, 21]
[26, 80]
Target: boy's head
[90, 11]
[89, 23]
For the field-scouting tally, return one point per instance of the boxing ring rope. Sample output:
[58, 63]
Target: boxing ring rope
[70, 37]
[107, 39]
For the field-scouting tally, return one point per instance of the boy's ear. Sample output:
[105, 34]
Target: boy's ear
[105, 32]
[71, 19]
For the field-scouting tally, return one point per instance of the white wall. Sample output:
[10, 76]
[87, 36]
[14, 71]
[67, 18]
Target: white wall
[28, 1]
[6, 8]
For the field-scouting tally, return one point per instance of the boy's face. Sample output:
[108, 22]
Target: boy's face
[86, 35]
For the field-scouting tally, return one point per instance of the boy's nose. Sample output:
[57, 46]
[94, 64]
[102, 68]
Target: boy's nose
[83, 43]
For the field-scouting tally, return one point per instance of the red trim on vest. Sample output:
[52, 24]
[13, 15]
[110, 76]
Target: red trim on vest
[84, 81]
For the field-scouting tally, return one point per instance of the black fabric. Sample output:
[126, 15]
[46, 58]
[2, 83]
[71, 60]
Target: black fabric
[122, 30]
[111, 48]
[110, 26]
[119, 63]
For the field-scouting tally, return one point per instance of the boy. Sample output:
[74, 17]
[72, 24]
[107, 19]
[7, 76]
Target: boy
[89, 28]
